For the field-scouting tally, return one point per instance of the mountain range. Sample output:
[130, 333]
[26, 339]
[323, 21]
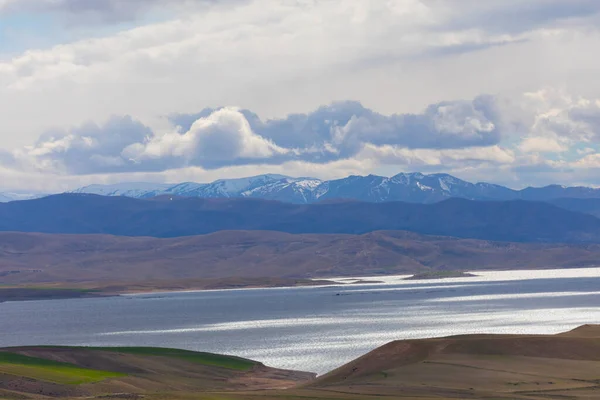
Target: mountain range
[411, 187]
[5, 197]
[171, 216]
[292, 228]
[408, 187]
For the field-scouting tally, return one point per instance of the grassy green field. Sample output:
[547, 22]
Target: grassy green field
[51, 371]
[42, 372]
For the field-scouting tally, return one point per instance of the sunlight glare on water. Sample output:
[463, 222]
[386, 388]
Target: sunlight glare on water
[318, 328]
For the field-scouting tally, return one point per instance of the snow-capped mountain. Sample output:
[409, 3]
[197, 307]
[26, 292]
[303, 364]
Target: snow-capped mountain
[129, 189]
[224, 187]
[409, 187]
[10, 196]
[415, 187]
[292, 190]
[242, 187]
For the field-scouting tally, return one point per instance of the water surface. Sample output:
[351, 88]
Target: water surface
[313, 329]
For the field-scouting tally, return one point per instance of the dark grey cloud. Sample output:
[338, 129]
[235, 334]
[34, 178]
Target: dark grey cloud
[101, 11]
[516, 16]
[496, 16]
[590, 118]
[91, 148]
[7, 158]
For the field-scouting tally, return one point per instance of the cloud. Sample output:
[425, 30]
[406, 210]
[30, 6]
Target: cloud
[100, 11]
[544, 132]
[222, 138]
[85, 149]
[562, 115]
[509, 15]
[542, 144]
[446, 159]
[229, 136]
[553, 121]
[588, 161]
[514, 16]
[281, 59]
[341, 128]
[289, 56]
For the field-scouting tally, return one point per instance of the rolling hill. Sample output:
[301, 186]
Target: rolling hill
[563, 366]
[493, 367]
[102, 260]
[514, 221]
[87, 372]
[586, 206]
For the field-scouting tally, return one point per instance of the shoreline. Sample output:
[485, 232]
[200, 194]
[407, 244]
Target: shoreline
[57, 291]
[88, 290]
[15, 294]
[319, 283]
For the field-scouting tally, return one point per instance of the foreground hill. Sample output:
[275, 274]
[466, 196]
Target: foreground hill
[250, 256]
[50, 372]
[564, 366]
[408, 187]
[586, 206]
[516, 221]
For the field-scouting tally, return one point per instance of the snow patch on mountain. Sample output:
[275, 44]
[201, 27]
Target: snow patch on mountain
[308, 183]
[238, 186]
[444, 185]
[293, 190]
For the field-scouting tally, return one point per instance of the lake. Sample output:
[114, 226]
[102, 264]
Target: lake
[318, 328]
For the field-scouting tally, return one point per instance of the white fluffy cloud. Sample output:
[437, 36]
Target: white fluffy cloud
[512, 136]
[542, 144]
[393, 55]
[556, 122]
[400, 58]
[221, 139]
[465, 137]
[229, 136]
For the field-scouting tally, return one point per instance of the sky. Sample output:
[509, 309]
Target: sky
[107, 91]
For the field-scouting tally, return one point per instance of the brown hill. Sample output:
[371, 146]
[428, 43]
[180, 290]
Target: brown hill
[499, 367]
[585, 331]
[27, 258]
[478, 366]
[47, 372]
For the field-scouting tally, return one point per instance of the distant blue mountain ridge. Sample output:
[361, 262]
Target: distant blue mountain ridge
[407, 187]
